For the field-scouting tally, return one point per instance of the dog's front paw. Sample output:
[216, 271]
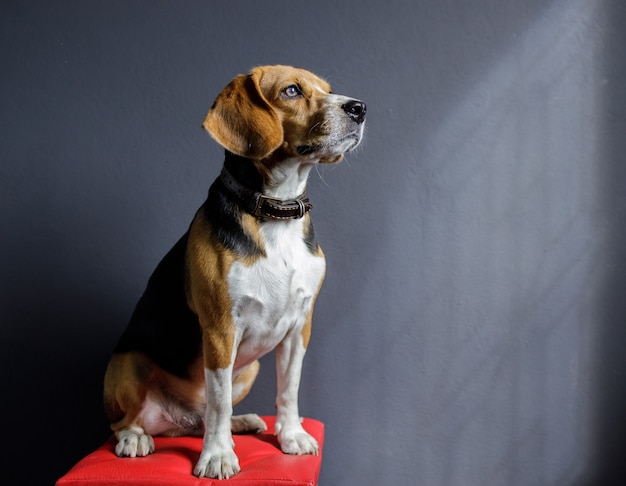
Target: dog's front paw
[217, 464]
[297, 441]
[133, 443]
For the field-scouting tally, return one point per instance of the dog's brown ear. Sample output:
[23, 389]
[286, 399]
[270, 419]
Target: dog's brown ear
[242, 120]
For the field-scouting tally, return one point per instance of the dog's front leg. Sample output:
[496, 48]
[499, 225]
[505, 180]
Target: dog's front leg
[217, 459]
[291, 435]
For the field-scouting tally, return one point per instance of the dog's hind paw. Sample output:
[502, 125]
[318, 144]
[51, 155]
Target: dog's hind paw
[246, 424]
[133, 443]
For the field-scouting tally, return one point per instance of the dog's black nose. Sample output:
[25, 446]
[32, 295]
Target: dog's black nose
[355, 110]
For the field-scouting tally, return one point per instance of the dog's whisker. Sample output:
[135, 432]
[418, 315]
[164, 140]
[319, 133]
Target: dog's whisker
[319, 174]
[318, 124]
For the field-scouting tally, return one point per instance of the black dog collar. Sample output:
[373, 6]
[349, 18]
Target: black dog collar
[262, 206]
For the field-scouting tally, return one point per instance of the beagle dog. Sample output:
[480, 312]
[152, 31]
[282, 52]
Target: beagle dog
[241, 282]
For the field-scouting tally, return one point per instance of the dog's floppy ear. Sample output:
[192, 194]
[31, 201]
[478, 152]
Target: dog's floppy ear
[242, 120]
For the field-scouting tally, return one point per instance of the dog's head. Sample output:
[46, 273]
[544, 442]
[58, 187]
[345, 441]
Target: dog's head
[286, 109]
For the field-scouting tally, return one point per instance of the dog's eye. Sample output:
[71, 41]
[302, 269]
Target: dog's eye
[292, 91]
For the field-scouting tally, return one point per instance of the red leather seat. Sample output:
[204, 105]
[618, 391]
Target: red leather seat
[261, 460]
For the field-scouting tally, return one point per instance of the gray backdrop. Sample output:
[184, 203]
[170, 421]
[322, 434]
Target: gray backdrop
[471, 328]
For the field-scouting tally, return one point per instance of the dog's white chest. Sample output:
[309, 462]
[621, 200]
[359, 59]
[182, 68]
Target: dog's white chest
[274, 295]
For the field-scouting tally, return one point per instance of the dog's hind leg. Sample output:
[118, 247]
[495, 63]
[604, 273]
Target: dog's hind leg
[248, 423]
[125, 394]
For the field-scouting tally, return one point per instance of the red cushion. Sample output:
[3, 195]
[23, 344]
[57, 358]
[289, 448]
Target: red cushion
[261, 460]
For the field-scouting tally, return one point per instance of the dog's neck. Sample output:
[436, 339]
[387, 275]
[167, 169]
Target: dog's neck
[267, 190]
[284, 180]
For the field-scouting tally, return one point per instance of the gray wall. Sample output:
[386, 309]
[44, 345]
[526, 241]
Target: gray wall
[471, 328]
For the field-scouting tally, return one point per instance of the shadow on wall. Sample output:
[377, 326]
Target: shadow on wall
[62, 296]
[52, 383]
[609, 466]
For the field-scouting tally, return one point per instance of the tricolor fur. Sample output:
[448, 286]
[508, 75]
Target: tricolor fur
[237, 285]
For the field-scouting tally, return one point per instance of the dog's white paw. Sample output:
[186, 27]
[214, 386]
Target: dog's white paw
[297, 441]
[133, 443]
[248, 423]
[217, 464]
